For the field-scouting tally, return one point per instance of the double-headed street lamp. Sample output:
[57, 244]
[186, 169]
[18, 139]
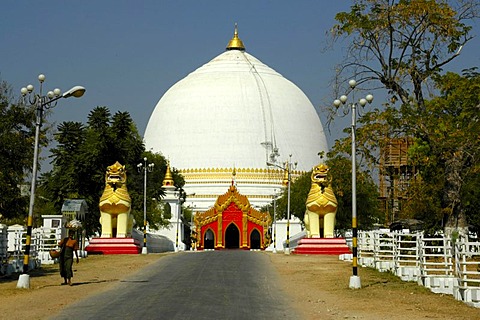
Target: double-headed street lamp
[145, 167]
[354, 279]
[289, 166]
[41, 102]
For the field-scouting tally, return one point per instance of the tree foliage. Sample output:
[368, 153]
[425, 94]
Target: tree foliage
[400, 44]
[368, 212]
[449, 155]
[82, 155]
[403, 48]
[17, 136]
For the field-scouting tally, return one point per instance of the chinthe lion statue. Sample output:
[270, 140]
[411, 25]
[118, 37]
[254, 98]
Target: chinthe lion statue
[321, 205]
[115, 204]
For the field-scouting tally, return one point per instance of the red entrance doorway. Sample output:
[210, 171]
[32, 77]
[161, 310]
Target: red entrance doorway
[232, 223]
[232, 237]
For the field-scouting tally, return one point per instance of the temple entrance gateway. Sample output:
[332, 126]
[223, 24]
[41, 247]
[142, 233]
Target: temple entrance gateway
[232, 224]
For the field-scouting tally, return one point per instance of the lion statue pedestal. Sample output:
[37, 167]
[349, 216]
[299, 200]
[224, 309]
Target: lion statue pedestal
[321, 207]
[115, 216]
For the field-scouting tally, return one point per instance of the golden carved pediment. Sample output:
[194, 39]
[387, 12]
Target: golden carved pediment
[224, 201]
[232, 195]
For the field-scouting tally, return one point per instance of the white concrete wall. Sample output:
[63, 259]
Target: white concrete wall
[281, 234]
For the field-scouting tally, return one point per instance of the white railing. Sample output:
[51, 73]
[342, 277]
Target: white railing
[384, 253]
[436, 264]
[3, 249]
[42, 241]
[407, 261]
[467, 267]
[431, 261]
[16, 247]
[48, 239]
[366, 249]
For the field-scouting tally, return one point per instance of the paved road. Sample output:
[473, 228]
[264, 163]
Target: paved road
[230, 284]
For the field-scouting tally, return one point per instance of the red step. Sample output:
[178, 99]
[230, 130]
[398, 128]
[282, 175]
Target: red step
[113, 246]
[326, 246]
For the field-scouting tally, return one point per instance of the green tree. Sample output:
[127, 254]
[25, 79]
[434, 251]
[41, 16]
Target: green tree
[17, 135]
[402, 44]
[368, 212]
[157, 214]
[449, 155]
[298, 195]
[403, 47]
[82, 155]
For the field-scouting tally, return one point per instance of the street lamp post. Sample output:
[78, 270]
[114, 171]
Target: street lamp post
[181, 199]
[41, 102]
[191, 226]
[182, 196]
[275, 221]
[288, 168]
[145, 167]
[355, 282]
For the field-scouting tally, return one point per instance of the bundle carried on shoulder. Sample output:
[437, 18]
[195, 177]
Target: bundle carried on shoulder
[55, 254]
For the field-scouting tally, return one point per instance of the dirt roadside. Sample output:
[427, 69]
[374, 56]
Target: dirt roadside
[318, 285]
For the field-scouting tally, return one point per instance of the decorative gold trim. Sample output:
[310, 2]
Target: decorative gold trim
[245, 230]
[251, 196]
[219, 230]
[259, 175]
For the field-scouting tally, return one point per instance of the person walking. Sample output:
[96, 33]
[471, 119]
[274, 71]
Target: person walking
[69, 249]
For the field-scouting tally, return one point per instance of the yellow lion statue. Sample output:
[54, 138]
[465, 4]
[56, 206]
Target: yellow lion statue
[115, 204]
[321, 205]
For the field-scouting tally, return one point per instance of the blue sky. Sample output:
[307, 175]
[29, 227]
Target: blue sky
[127, 54]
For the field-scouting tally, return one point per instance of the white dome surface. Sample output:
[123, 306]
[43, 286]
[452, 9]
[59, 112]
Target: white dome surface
[230, 113]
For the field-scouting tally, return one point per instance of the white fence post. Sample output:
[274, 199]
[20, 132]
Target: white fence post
[3, 249]
[384, 250]
[407, 265]
[436, 266]
[467, 271]
[366, 249]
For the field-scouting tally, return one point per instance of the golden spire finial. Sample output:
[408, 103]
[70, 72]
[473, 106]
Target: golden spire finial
[234, 173]
[168, 180]
[235, 43]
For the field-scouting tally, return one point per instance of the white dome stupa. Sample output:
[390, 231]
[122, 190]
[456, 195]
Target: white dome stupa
[226, 120]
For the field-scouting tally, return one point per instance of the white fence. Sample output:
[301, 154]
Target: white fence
[434, 262]
[467, 267]
[3, 249]
[12, 247]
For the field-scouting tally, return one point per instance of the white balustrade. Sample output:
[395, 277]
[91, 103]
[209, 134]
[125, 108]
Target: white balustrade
[467, 267]
[431, 261]
[407, 262]
[384, 252]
